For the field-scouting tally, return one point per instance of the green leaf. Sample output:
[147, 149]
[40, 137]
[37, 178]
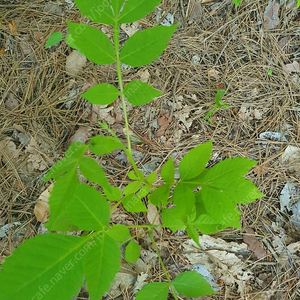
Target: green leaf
[224, 186]
[102, 145]
[119, 233]
[41, 267]
[152, 177]
[54, 38]
[91, 42]
[227, 177]
[185, 210]
[184, 199]
[132, 187]
[145, 46]
[192, 233]
[132, 251]
[88, 209]
[131, 175]
[153, 291]
[221, 207]
[134, 10]
[196, 181]
[205, 222]
[98, 11]
[172, 218]
[237, 2]
[93, 172]
[160, 196]
[136, 176]
[139, 93]
[194, 162]
[298, 3]
[168, 171]
[144, 191]
[101, 94]
[117, 5]
[73, 154]
[133, 203]
[63, 191]
[102, 262]
[218, 98]
[192, 284]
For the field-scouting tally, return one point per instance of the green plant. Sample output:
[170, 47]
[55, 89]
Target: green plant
[218, 105]
[237, 2]
[54, 38]
[55, 265]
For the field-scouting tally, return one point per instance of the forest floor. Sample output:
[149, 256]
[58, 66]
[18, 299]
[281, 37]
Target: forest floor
[252, 50]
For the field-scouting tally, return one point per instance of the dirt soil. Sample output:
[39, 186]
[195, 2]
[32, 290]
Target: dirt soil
[253, 51]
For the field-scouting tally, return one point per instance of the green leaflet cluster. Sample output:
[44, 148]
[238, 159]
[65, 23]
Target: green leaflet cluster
[55, 265]
[140, 49]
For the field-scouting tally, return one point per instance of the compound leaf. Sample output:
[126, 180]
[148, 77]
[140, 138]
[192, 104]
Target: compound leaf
[145, 46]
[168, 171]
[102, 145]
[228, 169]
[98, 11]
[153, 291]
[88, 209]
[73, 154]
[54, 38]
[132, 251]
[196, 181]
[63, 191]
[41, 267]
[132, 203]
[102, 94]
[139, 93]
[91, 42]
[93, 172]
[102, 262]
[192, 284]
[224, 186]
[194, 162]
[135, 10]
[227, 177]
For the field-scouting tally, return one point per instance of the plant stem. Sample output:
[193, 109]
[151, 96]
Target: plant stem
[117, 50]
[162, 264]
